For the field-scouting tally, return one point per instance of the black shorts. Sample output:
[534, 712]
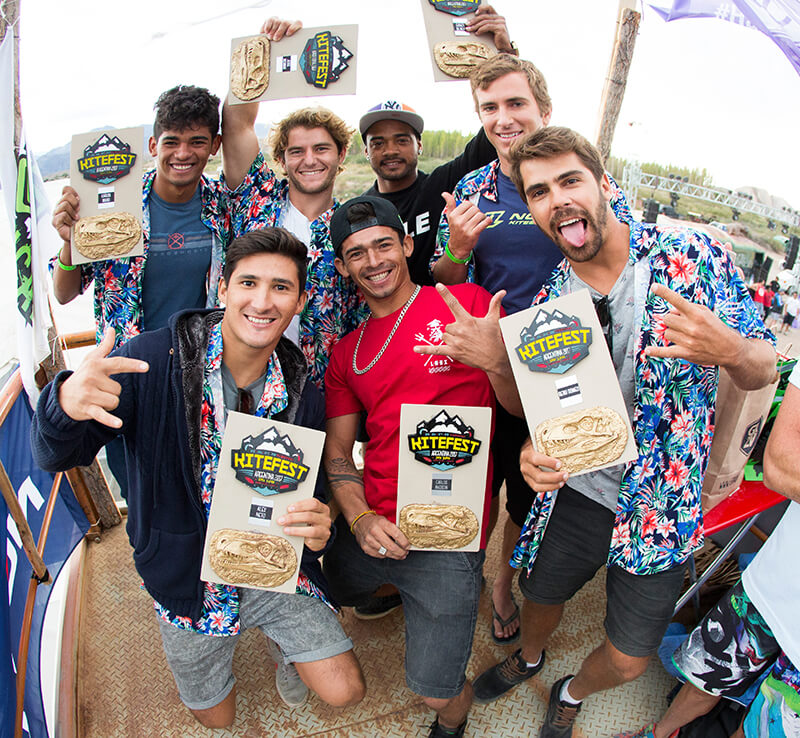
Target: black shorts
[788, 319]
[510, 433]
[574, 547]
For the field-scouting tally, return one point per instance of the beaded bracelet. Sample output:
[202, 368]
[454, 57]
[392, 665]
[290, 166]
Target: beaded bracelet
[453, 258]
[358, 517]
[65, 267]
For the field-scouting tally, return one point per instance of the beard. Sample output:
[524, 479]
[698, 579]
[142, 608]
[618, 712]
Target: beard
[393, 175]
[596, 226]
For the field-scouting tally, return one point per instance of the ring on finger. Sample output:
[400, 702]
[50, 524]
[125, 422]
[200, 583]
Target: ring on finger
[382, 550]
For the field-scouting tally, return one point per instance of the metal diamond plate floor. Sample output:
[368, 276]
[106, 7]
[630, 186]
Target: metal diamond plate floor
[125, 687]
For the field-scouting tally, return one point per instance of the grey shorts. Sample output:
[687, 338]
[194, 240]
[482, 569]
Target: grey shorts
[304, 627]
[440, 591]
[574, 547]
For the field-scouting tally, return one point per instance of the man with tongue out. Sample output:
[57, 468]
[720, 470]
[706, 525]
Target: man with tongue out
[673, 310]
[487, 236]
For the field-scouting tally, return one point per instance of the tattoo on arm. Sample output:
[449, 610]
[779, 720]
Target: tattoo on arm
[341, 472]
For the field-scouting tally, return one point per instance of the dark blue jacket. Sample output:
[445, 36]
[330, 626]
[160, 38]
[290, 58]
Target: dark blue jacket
[160, 413]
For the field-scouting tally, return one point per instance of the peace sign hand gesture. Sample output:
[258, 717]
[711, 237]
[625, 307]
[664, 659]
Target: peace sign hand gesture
[90, 392]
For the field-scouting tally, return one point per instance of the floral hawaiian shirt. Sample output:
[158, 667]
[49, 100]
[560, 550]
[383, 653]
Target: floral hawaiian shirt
[659, 521]
[483, 183]
[118, 282]
[220, 615]
[334, 306]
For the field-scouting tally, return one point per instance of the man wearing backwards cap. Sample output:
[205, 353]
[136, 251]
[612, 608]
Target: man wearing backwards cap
[392, 135]
[376, 369]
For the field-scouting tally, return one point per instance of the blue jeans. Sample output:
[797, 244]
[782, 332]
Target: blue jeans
[440, 591]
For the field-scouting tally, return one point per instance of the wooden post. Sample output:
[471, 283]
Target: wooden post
[617, 79]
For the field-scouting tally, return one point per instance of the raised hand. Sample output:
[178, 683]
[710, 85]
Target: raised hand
[90, 393]
[486, 20]
[309, 518]
[276, 28]
[476, 342]
[466, 222]
[695, 333]
[65, 213]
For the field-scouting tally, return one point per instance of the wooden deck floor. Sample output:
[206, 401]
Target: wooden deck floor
[126, 689]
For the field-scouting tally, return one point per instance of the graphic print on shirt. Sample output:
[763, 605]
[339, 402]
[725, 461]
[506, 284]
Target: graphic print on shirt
[435, 331]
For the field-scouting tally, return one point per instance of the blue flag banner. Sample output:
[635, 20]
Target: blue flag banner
[778, 19]
[67, 528]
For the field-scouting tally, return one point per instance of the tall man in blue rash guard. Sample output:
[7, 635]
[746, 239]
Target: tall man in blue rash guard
[674, 310]
[169, 399]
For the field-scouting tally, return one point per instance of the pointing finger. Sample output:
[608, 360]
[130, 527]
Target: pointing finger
[451, 302]
[125, 365]
[672, 297]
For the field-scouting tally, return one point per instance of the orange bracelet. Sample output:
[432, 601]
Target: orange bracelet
[358, 517]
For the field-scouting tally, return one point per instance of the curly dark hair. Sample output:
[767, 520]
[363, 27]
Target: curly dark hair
[186, 106]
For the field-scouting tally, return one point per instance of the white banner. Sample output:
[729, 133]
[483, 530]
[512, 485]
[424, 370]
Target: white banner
[32, 237]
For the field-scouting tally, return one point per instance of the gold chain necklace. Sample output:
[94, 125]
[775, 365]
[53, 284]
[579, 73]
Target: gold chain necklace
[388, 340]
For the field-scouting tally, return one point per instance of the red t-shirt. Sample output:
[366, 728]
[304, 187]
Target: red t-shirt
[402, 376]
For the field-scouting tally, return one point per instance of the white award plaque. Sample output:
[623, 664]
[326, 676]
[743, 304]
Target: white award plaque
[264, 467]
[441, 481]
[569, 389]
[312, 62]
[105, 169]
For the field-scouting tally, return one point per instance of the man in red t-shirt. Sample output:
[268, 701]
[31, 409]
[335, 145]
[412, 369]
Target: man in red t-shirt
[410, 350]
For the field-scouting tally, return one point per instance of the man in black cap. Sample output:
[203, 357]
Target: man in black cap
[375, 370]
[392, 135]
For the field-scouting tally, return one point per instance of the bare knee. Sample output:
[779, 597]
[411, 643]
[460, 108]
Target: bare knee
[221, 715]
[628, 668]
[437, 704]
[337, 681]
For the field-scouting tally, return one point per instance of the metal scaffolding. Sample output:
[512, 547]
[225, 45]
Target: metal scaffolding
[633, 178]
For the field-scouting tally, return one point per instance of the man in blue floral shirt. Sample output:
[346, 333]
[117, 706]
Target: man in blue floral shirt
[673, 310]
[170, 397]
[310, 145]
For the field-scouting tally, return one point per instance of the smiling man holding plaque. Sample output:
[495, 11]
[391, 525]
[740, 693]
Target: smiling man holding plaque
[673, 309]
[377, 369]
[169, 399]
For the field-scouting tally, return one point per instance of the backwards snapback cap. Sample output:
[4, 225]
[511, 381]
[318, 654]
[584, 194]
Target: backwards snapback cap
[385, 215]
[391, 110]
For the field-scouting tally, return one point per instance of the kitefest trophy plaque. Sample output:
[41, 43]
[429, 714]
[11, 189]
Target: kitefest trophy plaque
[264, 466]
[441, 481]
[105, 169]
[569, 389]
[312, 62]
[454, 51]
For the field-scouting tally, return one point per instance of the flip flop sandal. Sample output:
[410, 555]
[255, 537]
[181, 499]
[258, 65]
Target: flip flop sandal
[503, 623]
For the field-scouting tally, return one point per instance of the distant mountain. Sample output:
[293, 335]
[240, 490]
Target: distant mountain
[55, 163]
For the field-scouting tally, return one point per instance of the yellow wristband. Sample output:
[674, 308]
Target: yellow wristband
[453, 258]
[358, 517]
[65, 267]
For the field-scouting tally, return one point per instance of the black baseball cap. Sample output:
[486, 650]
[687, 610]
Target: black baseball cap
[385, 215]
